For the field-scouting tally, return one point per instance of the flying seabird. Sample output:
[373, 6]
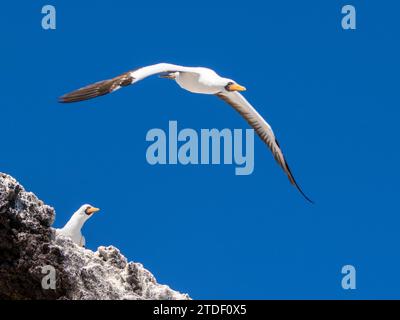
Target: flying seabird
[73, 227]
[196, 80]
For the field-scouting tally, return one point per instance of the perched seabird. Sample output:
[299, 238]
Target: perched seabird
[196, 80]
[73, 227]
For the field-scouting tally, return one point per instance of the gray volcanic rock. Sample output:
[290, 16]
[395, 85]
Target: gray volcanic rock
[28, 243]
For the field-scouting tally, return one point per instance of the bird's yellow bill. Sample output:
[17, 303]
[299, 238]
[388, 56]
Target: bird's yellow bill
[92, 210]
[236, 87]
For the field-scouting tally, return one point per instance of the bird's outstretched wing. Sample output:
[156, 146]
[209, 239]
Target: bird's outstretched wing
[107, 86]
[262, 128]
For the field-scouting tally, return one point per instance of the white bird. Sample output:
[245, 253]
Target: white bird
[196, 80]
[73, 227]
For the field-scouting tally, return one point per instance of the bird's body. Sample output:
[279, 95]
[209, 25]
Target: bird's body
[202, 81]
[73, 231]
[196, 80]
[73, 228]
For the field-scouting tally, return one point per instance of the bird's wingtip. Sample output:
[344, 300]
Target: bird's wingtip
[303, 194]
[61, 100]
[294, 182]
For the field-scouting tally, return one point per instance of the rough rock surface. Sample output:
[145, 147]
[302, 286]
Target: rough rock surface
[28, 243]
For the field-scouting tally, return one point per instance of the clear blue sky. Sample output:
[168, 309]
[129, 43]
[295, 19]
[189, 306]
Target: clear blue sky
[331, 96]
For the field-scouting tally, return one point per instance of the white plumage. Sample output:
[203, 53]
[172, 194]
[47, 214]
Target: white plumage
[197, 80]
[73, 227]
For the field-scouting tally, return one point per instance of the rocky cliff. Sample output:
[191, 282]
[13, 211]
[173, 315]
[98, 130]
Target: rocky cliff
[37, 264]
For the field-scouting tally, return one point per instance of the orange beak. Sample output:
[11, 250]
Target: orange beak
[92, 210]
[236, 87]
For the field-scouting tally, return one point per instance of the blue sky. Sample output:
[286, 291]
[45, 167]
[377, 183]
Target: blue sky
[330, 95]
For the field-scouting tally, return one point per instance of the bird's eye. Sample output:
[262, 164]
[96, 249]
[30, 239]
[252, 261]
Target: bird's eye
[228, 86]
[87, 211]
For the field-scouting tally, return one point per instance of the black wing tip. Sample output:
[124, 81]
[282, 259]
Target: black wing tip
[72, 98]
[294, 182]
[65, 99]
[89, 92]
[97, 89]
[304, 195]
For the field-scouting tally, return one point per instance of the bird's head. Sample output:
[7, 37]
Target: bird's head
[231, 86]
[86, 211]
